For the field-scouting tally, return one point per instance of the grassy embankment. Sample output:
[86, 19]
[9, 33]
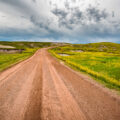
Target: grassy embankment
[7, 60]
[100, 60]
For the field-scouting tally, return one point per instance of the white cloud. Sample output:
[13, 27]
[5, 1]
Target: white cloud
[58, 19]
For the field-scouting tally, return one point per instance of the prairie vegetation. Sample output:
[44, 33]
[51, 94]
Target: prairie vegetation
[7, 60]
[24, 45]
[27, 49]
[100, 60]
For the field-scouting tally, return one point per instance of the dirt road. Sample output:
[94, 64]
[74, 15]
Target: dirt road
[41, 88]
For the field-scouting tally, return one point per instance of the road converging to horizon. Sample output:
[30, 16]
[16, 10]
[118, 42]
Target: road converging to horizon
[42, 88]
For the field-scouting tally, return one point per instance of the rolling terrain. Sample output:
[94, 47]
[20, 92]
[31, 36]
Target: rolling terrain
[42, 88]
[99, 60]
[14, 52]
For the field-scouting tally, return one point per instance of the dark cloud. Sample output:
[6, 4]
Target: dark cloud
[67, 18]
[19, 5]
[62, 16]
[44, 25]
[113, 14]
[28, 11]
[92, 21]
[34, 1]
[96, 14]
[74, 17]
[60, 13]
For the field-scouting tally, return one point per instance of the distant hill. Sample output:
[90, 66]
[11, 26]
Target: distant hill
[23, 45]
[98, 47]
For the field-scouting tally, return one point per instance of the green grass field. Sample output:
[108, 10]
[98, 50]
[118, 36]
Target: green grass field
[100, 60]
[7, 59]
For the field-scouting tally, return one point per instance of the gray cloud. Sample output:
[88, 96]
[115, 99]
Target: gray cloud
[57, 20]
[113, 14]
[92, 21]
[67, 4]
[75, 16]
[19, 6]
[41, 23]
[34, 1]
[28, 11]
[62, 16]
[59, 12]
[95, 14]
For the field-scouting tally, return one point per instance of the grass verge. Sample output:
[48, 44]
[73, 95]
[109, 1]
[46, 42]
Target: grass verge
[102, 66]
[8, 60]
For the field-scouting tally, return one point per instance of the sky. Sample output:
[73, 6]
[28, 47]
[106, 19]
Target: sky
[71, 21]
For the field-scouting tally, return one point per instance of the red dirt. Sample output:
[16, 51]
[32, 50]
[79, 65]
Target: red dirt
[41, 88]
